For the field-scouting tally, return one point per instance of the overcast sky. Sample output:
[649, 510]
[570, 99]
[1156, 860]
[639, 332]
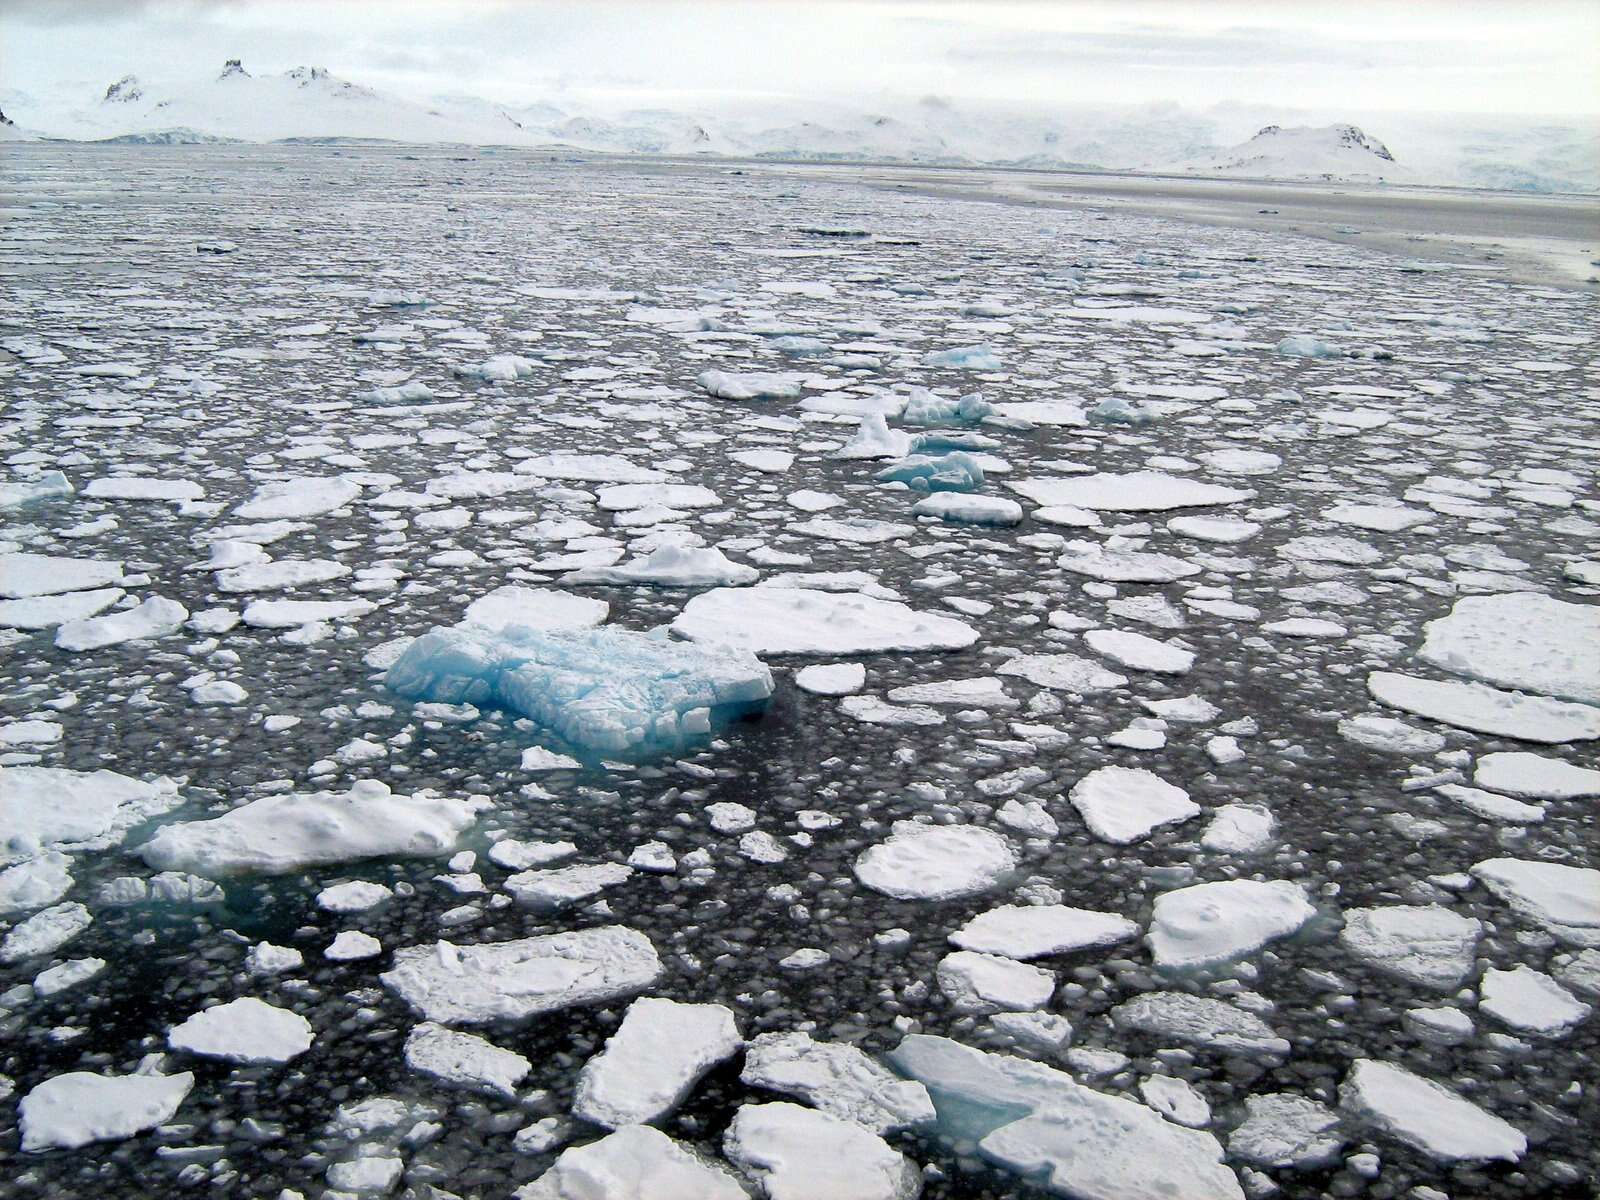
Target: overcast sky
[1514, 56]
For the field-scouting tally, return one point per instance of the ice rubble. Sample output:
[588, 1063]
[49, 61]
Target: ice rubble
[1043, 1125]
[657, 1055]
[277, 834]
[514, 980]
[784, 620]
[72, 1110]
[603, 690]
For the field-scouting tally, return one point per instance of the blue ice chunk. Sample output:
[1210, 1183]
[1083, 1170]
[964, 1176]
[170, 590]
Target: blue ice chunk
[46, 486]
[965, 358]
[953, 472]
[924, 408]
[603, 690]
[1114, 410]
[1303, 345]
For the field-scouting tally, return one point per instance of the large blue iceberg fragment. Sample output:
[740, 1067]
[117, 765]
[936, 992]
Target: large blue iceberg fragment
[604, 690]
[953, 472]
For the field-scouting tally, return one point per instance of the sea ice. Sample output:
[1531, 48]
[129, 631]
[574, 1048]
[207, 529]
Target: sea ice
[988, 983]
[652, 1062]
[153, 618]
[26, 575]
[517, 979]
[290, 832]
[1138, 491]
[41, 807]
[72, 1110]
[246, 1030]
[464, 1059]
[781, 620]
[672, 564]
[1530, 1002]
[1563, 899]
[1122, 805]
[796, 1153]
[1485, 709]
[1427, 1115]
[634, 1163]
[1024, 931]
[1211, 923]
[935, 862]
[837, 1078]
[1043, 1125]
[1427, 945]
[1521, 640]
[1199, 1021]
[1519, 773]
[605, 690]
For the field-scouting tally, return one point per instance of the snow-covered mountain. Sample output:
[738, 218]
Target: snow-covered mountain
[307, 103]
[1304, 152]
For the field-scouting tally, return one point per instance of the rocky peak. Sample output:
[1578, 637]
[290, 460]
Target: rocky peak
[233, 68]
[124, 91]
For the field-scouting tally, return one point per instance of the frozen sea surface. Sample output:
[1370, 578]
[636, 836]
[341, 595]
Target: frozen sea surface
[1315, 629]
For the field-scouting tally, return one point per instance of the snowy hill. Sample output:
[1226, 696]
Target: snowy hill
[309, 103]
[1340, 152]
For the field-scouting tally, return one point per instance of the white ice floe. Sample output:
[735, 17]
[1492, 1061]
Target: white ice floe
[837, 1078]
[155, 617]
[634, 1163]
[969, 510]
[133, 487]
[988, 983]
[1125, 566]
[465, 1060]
[46, 612]
[750, 385]
[1561, 898]
[672, 564]
[1122, 805]
[1427, 1115]
[1521, 640]
[1484, 709]
[26, 575]
[1283, 1130]
[43, 807]
[535, 608]
[590, 468]
[1176, 1100]
[1138, 652]
[1063, 672]
[1137, 491]
[521, 978]
[34, 883]
[1211, 923]
[1199, 1021]
[1530, 1002]
[282, 574]
[1427, 945]
[831, 679]
[606, 690]
[294, 499]
[246, 1030]
[561, 887]
[290, 832]
[779, 620]
[1024, 931]
[45, 932]
[1240, 829]
[652, 1062]
[292, 614]
[796, 1153]
[935, 862]
[72, 1110]
[1043, 1125]
[1519, 773]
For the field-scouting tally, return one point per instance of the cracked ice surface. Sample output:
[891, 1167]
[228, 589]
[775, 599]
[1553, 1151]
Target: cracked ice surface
[1160, 761]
